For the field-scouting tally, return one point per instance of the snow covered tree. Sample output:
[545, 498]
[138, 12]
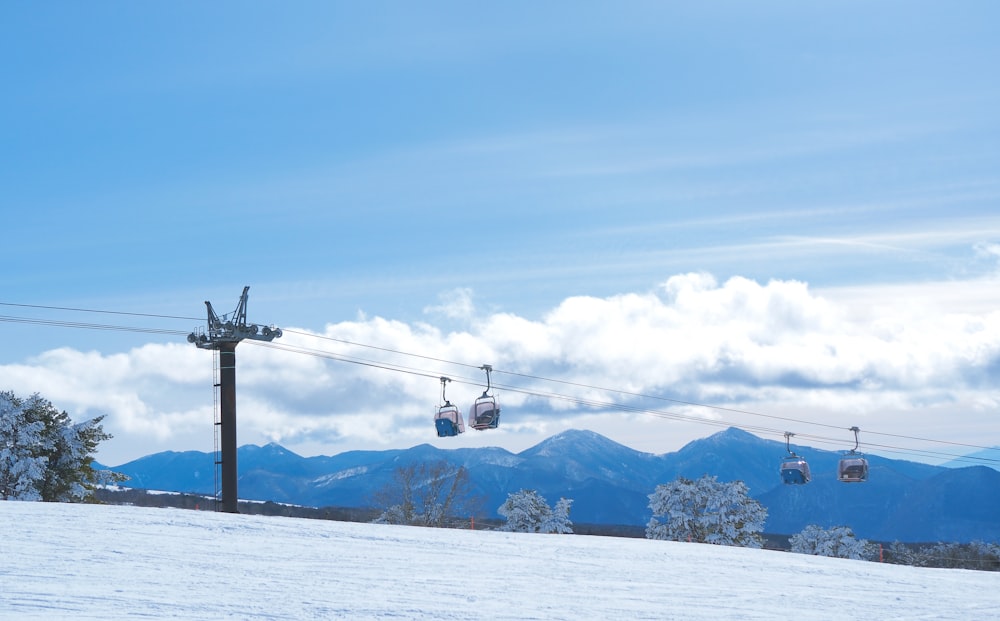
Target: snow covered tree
[69, 475]
[988, 554]
[43, 455]
[837, 542]
[559, 522]
[898, 553]
[22, 456]
[425, 494]
[527, 512]
[524, 511]
[974, 555]
[706, 511]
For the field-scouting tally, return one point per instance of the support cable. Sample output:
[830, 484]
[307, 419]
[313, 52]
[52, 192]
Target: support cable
[611, 405]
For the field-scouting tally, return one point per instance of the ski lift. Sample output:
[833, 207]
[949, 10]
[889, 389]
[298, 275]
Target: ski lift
[853, 467]
[485, 412]
[448, 419]
[794, 469]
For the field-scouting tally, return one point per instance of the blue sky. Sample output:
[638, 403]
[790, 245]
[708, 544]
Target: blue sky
[470, 170]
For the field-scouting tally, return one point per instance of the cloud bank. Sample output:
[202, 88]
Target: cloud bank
[634, 366]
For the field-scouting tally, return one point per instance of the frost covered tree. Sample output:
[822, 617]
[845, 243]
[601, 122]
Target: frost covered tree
[899, 553]
[706, 511]
[559, 522]
[425, 494]
[43, 455]
[527, 512]
[974, 555]
[837, 542]
[22, 456]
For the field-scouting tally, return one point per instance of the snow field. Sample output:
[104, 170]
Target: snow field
[69, 561]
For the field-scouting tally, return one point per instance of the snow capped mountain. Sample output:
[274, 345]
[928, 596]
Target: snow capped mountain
[583, 442]
[579, 455]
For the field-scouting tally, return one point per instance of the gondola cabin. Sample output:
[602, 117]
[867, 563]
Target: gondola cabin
[795, 470]
[448, 421]
[853, 468]
[485, 413]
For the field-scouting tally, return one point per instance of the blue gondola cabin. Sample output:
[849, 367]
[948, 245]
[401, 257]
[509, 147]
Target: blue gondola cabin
[795, 471]
[448, 421]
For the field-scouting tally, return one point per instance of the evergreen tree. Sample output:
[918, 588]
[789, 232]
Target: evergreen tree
[527, 512]
[43, 455]
[22, 454]
[706, 511]
[837, 542]
[559, 522]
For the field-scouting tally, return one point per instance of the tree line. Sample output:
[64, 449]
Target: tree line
[702, 510]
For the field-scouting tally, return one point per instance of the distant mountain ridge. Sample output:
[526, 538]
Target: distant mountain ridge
[610, 483]
[989, 457]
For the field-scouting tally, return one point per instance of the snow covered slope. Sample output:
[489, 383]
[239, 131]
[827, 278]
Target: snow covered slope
[107, 562]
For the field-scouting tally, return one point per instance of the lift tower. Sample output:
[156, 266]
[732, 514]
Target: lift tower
[223, 335]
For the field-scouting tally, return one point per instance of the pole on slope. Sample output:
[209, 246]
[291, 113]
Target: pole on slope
[223, 334]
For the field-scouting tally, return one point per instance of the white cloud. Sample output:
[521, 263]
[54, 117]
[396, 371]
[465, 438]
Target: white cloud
[456, 304]
[989, 252]
[869, 357]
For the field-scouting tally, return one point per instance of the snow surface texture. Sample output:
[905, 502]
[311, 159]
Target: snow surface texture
[62, 561]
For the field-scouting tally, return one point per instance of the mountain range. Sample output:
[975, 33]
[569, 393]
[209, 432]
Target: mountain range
[610, 483]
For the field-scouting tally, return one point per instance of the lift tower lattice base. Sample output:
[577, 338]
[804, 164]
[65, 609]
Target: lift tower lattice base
[224, 334]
